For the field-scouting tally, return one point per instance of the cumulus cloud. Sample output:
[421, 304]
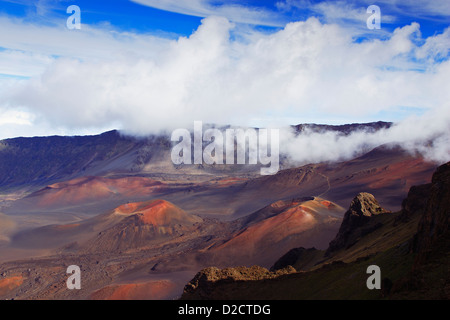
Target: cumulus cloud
[225, 76]
[436, 47]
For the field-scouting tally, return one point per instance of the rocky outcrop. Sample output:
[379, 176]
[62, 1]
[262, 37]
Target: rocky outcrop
[355, 224]
[436, 219]
[204, 284]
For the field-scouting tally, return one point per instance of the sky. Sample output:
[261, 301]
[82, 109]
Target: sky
[148, 66]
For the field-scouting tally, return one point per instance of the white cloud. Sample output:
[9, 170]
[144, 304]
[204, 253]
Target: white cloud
[209, 77]
[428, 135]
[15, 117]
[306, 68]
[436, 47]
[23, 64]
[34, 47]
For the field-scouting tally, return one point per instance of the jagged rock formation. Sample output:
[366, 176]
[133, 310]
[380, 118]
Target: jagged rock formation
[362, 208]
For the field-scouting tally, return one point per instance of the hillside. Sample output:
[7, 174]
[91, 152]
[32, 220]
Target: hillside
[50, 159]
[412, 248]
[143, 225]
[278, 227]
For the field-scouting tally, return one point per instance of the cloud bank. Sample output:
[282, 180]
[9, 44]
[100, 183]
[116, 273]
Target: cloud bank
[228, 75]
[428, 136]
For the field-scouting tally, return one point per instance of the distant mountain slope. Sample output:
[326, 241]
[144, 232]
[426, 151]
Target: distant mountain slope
[88, 189]
[40, 161]
[387, 172]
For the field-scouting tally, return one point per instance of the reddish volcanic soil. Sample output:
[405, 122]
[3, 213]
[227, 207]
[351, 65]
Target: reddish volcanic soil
[292, 223]
[386, 173]
[9, 284]
[156, 213]
[293, 220]
[405, 171]
[153, 290]
[90, 189]
[143, 225]
[132, 224]
[226, 221]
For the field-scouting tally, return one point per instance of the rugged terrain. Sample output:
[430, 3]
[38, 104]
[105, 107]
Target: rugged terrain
[410, 246]
[140, 227]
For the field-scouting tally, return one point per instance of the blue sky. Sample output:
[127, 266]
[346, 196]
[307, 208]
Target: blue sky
[124, 15]
[138, 17]
[147, 65]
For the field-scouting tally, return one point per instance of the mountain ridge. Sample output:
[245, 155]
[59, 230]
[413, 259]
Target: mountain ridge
[45, 162]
